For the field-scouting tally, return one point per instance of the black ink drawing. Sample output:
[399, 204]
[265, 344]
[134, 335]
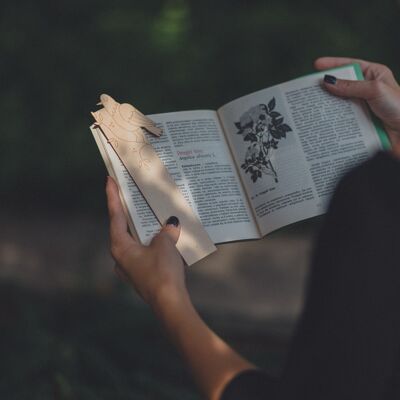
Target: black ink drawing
[263, 127]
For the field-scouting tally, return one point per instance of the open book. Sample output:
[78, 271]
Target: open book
[258, 163]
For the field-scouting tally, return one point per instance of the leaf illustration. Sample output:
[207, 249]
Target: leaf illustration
[271, 104]
[237, 124]
[275, 134]
[286, 127]
[266, 145]
[251, 137]
[281, 131]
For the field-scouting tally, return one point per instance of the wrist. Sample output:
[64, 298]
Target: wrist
[169, 298]
[175, 311]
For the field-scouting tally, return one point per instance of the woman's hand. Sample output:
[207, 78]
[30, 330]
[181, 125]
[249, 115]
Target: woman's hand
[380, 90]
[155, 271]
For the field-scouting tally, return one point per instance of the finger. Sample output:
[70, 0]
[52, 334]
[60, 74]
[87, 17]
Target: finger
[333, 62]
[370, 70]
[366, 90]
[170, 230]
[118, 222]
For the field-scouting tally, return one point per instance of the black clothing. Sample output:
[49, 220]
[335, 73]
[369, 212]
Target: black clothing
[347, 344]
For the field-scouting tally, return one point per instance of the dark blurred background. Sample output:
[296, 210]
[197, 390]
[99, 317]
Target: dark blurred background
[68, 329]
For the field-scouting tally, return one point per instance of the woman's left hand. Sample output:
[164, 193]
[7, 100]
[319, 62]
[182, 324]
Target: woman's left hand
[379, 89]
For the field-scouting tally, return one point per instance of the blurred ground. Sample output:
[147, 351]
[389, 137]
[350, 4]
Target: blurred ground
[260, 280]
[70, 329]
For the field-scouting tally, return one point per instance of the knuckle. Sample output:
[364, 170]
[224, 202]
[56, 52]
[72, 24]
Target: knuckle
[111, 214]
[159, 239]
[122, 253]
[156, 238]
[115, 251]
[378, 87]
[384, 69]
[162, 239]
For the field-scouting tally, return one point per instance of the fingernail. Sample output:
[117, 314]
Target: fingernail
[173, 221]
[330, 79]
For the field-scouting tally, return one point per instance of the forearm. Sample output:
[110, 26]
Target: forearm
[212, 362]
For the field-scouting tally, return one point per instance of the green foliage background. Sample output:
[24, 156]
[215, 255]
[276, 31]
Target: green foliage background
[58, 56]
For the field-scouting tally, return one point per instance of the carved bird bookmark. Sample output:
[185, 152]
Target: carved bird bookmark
[125, 116]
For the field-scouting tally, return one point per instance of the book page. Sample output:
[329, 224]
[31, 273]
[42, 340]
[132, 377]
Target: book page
[101, 144]
[292, 143]
[193, 149]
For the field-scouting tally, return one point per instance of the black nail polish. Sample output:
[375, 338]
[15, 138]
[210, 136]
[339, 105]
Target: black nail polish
[330, 79]
[173, 221]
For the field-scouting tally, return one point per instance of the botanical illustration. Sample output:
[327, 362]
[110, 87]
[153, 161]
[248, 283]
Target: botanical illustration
[263, 127]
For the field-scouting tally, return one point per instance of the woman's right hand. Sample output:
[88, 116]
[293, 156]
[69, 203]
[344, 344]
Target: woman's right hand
[156, 271]
[379, 89]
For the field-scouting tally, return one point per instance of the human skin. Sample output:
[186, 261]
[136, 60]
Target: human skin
[157, 271]
[157, 274]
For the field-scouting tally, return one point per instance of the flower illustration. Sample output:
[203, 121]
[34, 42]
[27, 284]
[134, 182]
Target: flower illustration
[263, 127]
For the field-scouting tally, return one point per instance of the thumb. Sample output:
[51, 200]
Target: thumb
[366, 90]
[171, 229]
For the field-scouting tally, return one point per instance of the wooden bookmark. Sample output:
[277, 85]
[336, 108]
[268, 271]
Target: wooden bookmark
[124, 127]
